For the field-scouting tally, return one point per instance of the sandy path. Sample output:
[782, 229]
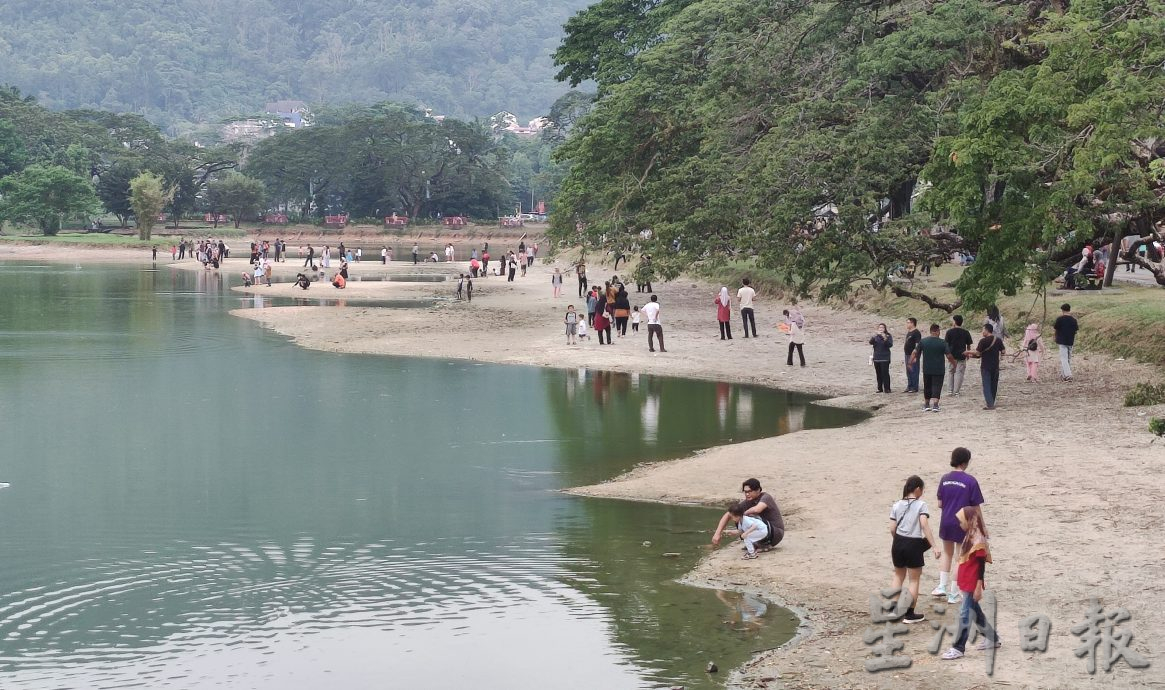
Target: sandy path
[1074, 482]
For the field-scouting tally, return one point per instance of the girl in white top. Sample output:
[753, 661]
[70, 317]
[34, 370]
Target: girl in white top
[910, 528]
[635, 319]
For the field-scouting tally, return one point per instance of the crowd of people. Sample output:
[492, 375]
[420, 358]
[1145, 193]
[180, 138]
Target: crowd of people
[942, 358]
[962, 541]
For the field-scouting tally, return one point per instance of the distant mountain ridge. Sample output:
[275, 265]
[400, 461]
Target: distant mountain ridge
[181, 62]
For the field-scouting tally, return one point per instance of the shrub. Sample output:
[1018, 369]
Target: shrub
[1157, 426]
[1145, 394]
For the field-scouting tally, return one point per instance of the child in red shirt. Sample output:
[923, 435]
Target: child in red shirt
[975, 555]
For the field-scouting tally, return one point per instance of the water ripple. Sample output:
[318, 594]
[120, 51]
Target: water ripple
[204, 598]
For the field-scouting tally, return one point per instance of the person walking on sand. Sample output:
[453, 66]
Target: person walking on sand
[959, 340]
[796, 336]
[1065, 328]
[972, 581]
[934, 353]
[882, 341]
[956, 490]
[311, 255]
[745, 295]
[1033, 350]
[556, 283]
[635, 319]
[724, 313]
[912, 538]
[913, 337]
[988, 351]
[580, 270]
[758, 503]
[592, 303]
[654, 326]
[416, 253]
[384, 255]
[571, 322]
[602, 323]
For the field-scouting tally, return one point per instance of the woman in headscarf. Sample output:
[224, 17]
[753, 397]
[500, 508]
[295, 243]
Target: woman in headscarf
[1033, 350]
[972, 581]
[724, 313]
[796, 316]
[622, 310]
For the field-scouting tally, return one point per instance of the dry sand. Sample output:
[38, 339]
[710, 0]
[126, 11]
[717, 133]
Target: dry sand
[1075, 484]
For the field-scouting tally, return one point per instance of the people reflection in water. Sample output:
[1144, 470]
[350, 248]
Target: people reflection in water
[748, 610]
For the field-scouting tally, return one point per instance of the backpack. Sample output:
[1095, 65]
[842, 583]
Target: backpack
[1033, 345]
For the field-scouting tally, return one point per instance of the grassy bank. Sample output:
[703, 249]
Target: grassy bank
[1124, 321]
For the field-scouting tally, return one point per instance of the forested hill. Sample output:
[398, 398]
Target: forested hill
[184, 61]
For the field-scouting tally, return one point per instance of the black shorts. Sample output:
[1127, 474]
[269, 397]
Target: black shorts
[909, 552]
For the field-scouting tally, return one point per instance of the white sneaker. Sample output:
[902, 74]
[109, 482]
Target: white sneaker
[939, 591]
[953, 598]
[982, 646]
[952, 653]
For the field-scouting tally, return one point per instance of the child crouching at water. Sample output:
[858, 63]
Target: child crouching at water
[972, 573]
[752, 529]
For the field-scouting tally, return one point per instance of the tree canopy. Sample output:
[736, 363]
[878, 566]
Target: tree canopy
[371, 161]
[367, 161]
[43, 194]
[838, 141]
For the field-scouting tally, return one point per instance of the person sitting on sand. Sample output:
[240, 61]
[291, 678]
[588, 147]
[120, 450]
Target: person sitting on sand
[752, 529]
[338, 281]
[301, 280]
[759, 504]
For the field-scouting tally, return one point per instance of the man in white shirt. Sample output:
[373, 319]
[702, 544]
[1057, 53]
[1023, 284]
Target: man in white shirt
[654, 327]
[745, 296]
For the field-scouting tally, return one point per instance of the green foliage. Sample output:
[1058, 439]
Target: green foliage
[43, 194]
[13, 157]
[148, 196]
[1145, 394]
[236, 194]
[372, 161]
[195, 60]
[800, 134]
[1157, 426]
[113, 189]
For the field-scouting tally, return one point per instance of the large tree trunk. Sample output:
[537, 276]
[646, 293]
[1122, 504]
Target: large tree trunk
[1113, 255]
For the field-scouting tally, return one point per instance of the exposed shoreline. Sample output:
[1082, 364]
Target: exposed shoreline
[1073, 480]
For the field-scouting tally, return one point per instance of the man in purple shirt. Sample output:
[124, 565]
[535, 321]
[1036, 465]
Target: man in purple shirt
[956, 490]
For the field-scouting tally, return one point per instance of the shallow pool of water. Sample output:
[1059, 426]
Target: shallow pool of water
[195, 502]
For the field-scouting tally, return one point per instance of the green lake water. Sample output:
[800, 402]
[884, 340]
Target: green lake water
[194, 502]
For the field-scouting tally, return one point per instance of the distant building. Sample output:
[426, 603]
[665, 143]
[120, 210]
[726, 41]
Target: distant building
[508, 122]
[278, 115]
[294, 114]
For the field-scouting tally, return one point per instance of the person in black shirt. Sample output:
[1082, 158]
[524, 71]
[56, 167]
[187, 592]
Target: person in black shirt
[1065, 327]
[988, 351]
[959, 340]
[913, 336]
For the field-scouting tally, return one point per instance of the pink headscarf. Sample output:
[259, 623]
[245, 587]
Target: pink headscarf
[1030, 333]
